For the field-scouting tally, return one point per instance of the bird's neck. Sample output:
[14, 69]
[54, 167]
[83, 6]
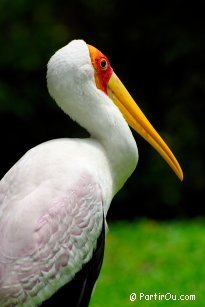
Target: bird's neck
[107, 125]
[120, 147]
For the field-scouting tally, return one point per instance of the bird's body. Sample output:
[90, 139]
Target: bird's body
[54, 200]
[53, 217]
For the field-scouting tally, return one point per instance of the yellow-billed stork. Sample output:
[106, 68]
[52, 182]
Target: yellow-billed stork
[54, 200]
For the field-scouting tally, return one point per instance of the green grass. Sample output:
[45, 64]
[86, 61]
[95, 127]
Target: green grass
[152, 257]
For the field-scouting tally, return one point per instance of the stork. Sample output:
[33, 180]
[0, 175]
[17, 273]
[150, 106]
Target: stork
[54, 200]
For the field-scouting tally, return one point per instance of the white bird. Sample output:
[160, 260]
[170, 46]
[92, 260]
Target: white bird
[54, 200]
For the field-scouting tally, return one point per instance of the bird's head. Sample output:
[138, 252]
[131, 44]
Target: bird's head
[78, 63]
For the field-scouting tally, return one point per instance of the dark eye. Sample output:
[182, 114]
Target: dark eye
[103, 64]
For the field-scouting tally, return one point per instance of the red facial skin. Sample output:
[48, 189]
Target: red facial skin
[103, 70]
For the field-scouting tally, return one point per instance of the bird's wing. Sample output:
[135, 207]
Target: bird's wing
[78, 291]
[53, 248]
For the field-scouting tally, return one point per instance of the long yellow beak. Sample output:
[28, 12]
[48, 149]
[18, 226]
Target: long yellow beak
[137, 120]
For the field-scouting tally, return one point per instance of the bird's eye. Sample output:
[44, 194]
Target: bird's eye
[103, 64]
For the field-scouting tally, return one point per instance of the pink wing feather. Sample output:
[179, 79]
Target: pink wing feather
[62, 240]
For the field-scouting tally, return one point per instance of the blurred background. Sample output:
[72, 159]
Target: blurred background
[156, 48]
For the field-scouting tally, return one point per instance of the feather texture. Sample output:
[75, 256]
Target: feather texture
[78, 291]
[46, 234]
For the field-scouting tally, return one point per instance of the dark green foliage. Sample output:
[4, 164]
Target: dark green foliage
[156, 47]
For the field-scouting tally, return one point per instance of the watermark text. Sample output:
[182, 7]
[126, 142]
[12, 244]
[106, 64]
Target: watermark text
[161, 297]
